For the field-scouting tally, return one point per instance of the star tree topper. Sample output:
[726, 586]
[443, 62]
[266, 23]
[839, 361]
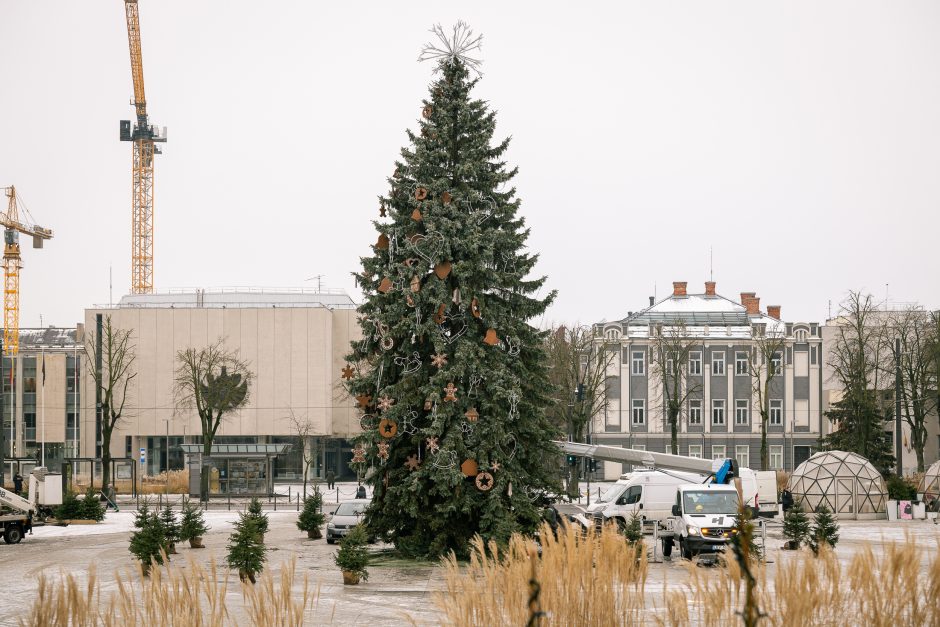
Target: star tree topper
[455, 46]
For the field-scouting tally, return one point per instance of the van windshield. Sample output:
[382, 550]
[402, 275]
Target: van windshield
[710, 502]
[612, 493]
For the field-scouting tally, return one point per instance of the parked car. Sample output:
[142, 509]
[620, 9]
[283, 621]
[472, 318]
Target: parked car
[348, 514]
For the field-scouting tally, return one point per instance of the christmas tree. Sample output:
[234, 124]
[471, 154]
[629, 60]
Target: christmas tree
[825, 530]
[796, 525]
[450, 377]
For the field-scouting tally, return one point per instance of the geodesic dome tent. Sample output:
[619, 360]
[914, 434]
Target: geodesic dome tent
[845, 482]
[930, 484]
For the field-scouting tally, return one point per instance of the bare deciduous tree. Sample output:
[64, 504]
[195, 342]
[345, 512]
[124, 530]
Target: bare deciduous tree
[112, 368]
[214, 382]
[578, 371]
[308, 455]
[914, 328]
[765, 362]
[670, 347]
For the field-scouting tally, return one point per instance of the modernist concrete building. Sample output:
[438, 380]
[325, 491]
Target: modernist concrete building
[294, 343]
[720, 417]
[42, 403]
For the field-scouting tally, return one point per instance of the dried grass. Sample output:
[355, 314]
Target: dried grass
[170, 596]
[890, 589]
[595, 580]
[586, 579]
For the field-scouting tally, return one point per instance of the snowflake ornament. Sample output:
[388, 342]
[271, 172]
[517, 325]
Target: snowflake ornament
[453, 47]
[439, 360]
[385, 403]
[433, 444]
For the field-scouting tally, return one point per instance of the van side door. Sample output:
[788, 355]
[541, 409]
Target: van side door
[631, 499]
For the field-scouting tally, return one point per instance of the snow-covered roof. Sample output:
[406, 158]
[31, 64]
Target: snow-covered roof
[240, 298]
[49, 337]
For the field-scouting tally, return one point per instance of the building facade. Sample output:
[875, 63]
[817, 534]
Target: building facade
[720, 414]
[294, 343]
[41, 399]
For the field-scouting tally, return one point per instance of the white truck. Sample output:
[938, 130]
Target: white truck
[702, 519]
[18, 516]
[651, 494]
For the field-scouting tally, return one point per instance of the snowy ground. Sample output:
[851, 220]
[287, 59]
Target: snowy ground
[394, 595]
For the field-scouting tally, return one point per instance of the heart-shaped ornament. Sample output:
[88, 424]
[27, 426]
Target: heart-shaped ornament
[442, 270]
[416, 215]
[428, 246]
[385, 286]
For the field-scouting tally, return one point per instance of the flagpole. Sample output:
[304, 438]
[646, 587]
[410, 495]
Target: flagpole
[43, 411]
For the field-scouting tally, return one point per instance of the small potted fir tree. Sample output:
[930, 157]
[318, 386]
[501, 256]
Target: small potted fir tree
[353, 557]
[148, 544]
[311, 518]
[261, 519]
[171, 529]
[246, 552]
[795, 527]
[193, 526]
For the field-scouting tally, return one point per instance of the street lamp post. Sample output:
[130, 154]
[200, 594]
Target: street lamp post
[897, 403]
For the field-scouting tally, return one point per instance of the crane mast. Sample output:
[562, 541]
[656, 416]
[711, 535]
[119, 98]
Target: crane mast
[144, 137]
[13, 224]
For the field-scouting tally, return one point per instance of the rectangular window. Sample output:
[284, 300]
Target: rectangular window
[801, 364]
[776, 457]
[776, 363]
[718, 364]
[695, 363]
[776, 412]
[670, 365]
[718, 412]
[812, 355]
[639, 412]
[740, 363]
[638, 359]
[695, 450]
[695, 411]
[743, 454]
[719, 451]
[741, 411]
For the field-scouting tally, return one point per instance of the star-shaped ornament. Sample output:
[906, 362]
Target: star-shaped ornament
[433, 444]
[385, 403]
[484, 481]
[439, 360]
[348, 373]
[495, 466]
[412, 462]
[363, 400]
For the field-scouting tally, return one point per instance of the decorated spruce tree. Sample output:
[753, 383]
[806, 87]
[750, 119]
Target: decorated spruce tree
[450, 376]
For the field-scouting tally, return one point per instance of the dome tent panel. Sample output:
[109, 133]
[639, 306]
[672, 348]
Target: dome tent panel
[845, 482]
[930, 484]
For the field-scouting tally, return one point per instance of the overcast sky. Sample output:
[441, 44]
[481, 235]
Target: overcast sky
[798, 140]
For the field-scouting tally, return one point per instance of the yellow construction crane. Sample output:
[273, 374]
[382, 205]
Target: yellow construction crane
[16, 220]
[144, 136]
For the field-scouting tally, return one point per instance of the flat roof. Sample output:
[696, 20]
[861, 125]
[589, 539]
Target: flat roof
[237, 450]
[239, 297]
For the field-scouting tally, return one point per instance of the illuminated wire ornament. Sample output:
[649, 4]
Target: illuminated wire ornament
[456, 46]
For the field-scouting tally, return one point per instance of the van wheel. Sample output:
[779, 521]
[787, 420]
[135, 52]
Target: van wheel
[667, 547]
[686, 551]
[13, 535]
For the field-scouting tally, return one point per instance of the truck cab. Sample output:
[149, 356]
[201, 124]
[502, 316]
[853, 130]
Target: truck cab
[703, 519]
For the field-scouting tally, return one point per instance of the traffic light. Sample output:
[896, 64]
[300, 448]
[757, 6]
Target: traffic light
[592, 465]
[572, 460]
[579, 393]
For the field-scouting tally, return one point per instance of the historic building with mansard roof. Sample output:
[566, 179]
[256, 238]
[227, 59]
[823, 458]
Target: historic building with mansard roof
[720, 415]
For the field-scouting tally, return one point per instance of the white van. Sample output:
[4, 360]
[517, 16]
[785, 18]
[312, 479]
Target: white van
[651, 494]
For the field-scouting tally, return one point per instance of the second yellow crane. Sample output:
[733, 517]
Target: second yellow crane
[144, 137]
[16, 220]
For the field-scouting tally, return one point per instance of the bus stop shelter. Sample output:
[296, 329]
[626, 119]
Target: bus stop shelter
[234, 469]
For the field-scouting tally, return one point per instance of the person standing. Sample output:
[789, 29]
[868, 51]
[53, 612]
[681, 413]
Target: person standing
[330, 479]
[17, 483]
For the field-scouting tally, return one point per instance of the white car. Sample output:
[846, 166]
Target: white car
[348, 514]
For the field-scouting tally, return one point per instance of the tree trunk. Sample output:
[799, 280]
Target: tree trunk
[204, 474]
[674, 428]
[105, 456]
[764, 452]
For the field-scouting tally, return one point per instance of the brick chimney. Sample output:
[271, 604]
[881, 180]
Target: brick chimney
[752, 305]
[678, 288]
[746, 295]
[709, 288]
[773, 311]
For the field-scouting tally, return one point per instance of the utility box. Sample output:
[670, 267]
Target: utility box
[45, 488]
